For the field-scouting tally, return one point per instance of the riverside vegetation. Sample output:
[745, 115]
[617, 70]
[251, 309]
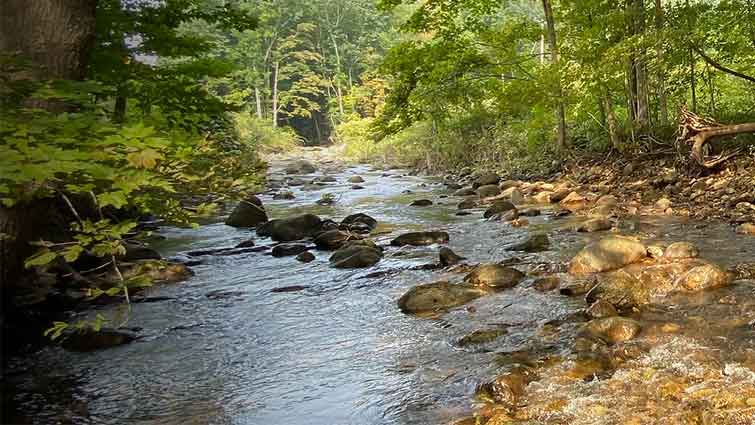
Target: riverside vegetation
[581, 241]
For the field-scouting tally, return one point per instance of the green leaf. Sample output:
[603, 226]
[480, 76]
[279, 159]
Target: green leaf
[146, 158]
[116, 199]
[41, 258]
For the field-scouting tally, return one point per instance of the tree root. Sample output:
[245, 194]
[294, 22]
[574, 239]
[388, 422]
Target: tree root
[698, 131]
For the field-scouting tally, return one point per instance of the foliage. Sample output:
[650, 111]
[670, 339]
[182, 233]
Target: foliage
[262, 137]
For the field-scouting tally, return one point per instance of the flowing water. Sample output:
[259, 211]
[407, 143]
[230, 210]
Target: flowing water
[338, 351]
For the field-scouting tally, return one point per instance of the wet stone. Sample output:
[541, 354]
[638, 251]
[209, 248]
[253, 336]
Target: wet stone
[288, 249]
[481, 336]
[421, 203]
[421, 238]
[494, 276]
[546, 283]
[448, 257]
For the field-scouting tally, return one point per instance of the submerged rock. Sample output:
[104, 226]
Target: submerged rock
[448, 257]
[640, 284]
[467, 204]
[420, 238]
[508, 388]
[285, 195]
[494, 276]
[600, 309]
[679, 250]
[288, 249]
[536, 242]
[305, 257]
[610, 253]
[421, 203]
[613, 329]
[332, 239]
[546, 283]
[437, 296]
[89, 340]
[595, 225]
[481, 336]
[248, 213]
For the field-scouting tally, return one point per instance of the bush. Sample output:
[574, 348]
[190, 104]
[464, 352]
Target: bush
[262, 136]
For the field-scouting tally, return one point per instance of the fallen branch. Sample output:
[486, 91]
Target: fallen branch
[698, 131]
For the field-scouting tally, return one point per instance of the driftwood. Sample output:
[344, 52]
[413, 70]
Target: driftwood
[698, 131]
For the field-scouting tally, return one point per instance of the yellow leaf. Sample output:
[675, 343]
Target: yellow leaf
[146, 158]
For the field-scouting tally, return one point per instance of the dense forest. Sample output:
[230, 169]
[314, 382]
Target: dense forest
[121, 117]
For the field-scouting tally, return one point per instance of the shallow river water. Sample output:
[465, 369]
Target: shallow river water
[337, 352]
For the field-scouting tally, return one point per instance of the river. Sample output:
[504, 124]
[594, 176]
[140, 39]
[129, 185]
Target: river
[338, 351]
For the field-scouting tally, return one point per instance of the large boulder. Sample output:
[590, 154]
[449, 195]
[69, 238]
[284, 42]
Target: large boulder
[292, 228]
[359, 218]
[494, 276]
[437, 296]
[485, 179]
[488, 191]
[642, 283]
[332, 239]
[248, 213]
[420, 238]
[355, 255]
[448, 257]
[608, 254]
[498, 207]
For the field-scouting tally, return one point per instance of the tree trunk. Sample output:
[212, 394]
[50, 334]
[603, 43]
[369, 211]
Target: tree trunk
[119, 112]
[638, 86]
[57, 35]
[613, 131]
[662, 100]
[693, 82]
[338, 73]
[560, 111]
[275, 94]
[258, 102]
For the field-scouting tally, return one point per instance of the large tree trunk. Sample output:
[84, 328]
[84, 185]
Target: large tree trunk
[550, 26]
[56, 35]
[258, 102]
[638, 81]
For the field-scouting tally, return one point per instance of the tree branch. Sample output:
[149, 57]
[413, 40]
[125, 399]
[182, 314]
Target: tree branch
[720, 67]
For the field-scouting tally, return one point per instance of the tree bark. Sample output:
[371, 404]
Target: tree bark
[662, 100]
[275, 94]
[638, 75]
[258, 102]
[701, 138]
[550, 25]
[58, 35]
[613, 131]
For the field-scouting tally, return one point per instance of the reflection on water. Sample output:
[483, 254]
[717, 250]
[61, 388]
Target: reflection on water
[337, 352]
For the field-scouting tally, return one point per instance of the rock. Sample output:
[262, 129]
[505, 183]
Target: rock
[292, 229]
[655, 252]
[467, 204]
[508, 388]
[481, 336]
[437, 296]
[506, 184]
[546, 283]
[356, 256]
[509, 216]
[600, 309]
[360, 218]
[324, 179]
[448, 257]
[594, 225]
[135, 252]
[248, 213]
[610, 253]
[357, 187]
[574, 202]
[245, 244]
[498, 207]
[296, 182]
[613, 329]
[680, 250]
[285, 195]
[465, 192]
[560, 195]
[332, 239]
[288, 249]
[641, 284]
[453, 186]
[663, 204]
[306, 257]
[488, 191]
[486, 179]
[536, 242]
[421, 203]
[543, 197]
[300, 167]
[746, 229]
[420, 238]
[520, 222]
[577, 287]
[514, 195]
[355, 179]
[607, 201]
[292, 288]
[155, 270]
[530, 212]
[89, 340]
[494, 276]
